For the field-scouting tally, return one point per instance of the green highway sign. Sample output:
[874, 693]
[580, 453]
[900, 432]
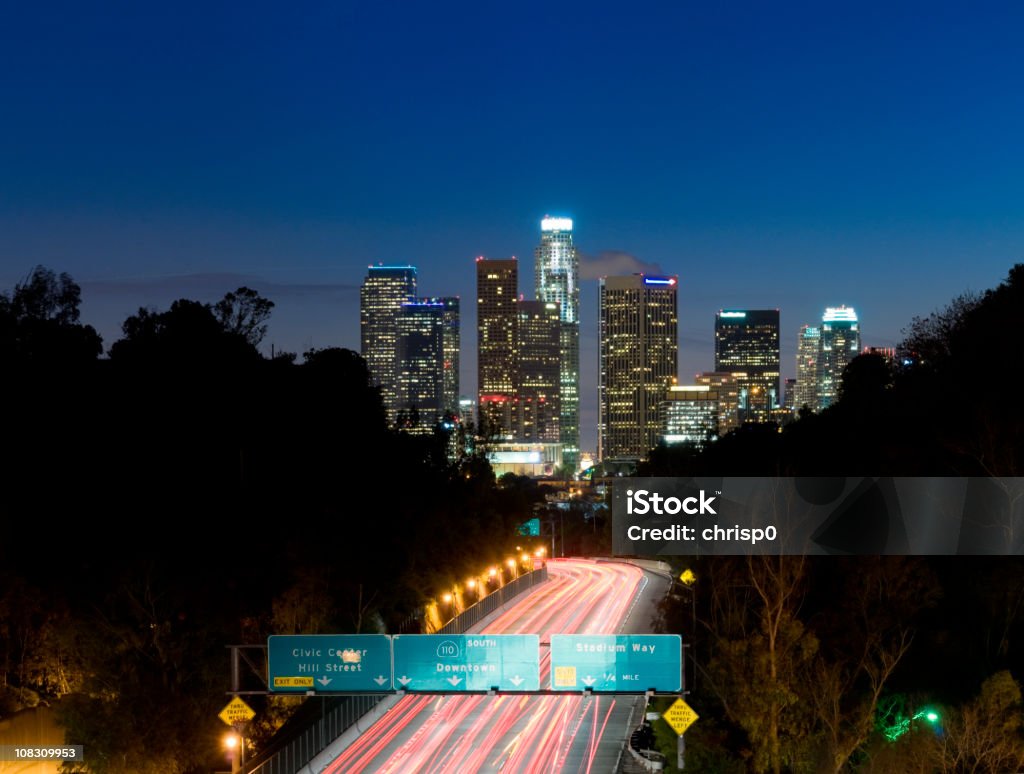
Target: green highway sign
[530, 528]
[467, 662]
[616, 662]
[329, 662]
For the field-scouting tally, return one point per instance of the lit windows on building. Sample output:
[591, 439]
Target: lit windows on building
[840, 343]
[728, 389]
[381, 296]
[747, 345]
[427, 385]
[539, 374]
[638, 361]
[808, 353]
[556, 272]
[689, 415]
[497, 283]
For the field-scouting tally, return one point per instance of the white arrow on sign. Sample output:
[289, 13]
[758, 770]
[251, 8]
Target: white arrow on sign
[454, 680]
[404, 681]
[380, 679]
[515, 680]
[588, 681]
[324, 681]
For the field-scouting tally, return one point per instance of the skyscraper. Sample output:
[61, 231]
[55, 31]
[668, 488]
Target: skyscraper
[557, 269]
[539, 371]
[427, 381]
[381, 296]
[808, 352]
[728, 398]
[639, 354]
[497, 337]
[840, 343]
[747, 345]
[452, 346]
[690, 414]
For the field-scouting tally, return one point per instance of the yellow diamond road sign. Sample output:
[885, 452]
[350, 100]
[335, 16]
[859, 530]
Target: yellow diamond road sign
[237, 711]
[680, 716]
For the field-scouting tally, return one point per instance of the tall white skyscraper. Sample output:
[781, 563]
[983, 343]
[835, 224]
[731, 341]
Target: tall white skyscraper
[808, 349]
[840, 343]
[557, 272]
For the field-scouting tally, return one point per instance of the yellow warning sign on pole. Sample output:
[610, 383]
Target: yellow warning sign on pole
[680, 716]
[237, 711]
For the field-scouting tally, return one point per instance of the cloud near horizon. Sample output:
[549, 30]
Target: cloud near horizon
[213, 285]
[608, 263]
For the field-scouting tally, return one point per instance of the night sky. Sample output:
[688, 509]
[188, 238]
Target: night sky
[790, 155]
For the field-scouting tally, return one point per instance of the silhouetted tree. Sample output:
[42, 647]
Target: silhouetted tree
[39, 322]
[186, 335]
[244, 312]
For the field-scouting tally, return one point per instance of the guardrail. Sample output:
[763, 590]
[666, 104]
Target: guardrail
[321, 720]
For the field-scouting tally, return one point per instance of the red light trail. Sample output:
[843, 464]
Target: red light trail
[510, 733]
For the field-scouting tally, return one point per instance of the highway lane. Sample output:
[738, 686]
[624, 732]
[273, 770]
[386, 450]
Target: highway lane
[510, 733]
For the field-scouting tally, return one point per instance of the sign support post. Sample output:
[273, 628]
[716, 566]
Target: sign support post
[681, 739]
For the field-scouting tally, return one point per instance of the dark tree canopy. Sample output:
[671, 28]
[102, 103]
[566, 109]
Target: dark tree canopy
[39, 322]
[244, 312]
[187, 334]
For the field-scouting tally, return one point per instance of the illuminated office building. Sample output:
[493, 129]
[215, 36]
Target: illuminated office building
[381, 296]
[427, 380]
[808, 353]
[789, 396]
[556, 269]
[452, 346]
[538, 371]
[638, 361]
[689, 414]
[747, 345]
[497, 283]
[840, 343]
[728, 389]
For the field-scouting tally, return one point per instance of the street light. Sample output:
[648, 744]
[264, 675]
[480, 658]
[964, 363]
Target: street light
[231, 744]
[514, 567]
[689, 579]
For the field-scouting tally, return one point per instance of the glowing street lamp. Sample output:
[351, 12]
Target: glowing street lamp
[232, 743]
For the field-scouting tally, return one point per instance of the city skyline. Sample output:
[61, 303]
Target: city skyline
[793, 158]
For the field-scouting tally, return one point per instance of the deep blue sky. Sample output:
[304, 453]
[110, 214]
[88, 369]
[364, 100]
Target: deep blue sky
[790, 155]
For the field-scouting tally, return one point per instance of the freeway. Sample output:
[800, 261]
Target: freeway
[515, 733]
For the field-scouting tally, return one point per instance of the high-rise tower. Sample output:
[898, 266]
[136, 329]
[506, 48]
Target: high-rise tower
[539, 371]
[840, 343]
[747, 345]
[427, 378]
[557, 270]
[381, 296]
[808, 349]
[497, 285]
[639, 351]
